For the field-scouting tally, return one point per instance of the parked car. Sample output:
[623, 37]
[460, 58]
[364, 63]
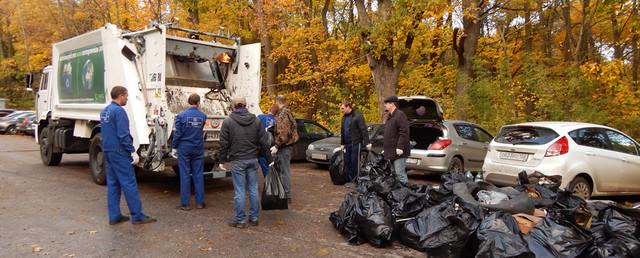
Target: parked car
[320, 152]
[27, 126]
[448, 146]
[309, 131]
[8, 123]
[6, 112]
[593, 160]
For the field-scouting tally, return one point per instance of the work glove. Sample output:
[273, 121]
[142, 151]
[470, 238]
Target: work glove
[135, 158]
[399, 152]
[341, 148]
[274, 150]
[174, 153]
[368, 146]
[221, 167]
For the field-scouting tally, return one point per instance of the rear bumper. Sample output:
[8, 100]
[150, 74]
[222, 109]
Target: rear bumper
[507, 175]
[428, 161]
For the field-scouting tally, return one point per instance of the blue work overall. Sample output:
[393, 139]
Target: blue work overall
[117, 145]
[188, 140]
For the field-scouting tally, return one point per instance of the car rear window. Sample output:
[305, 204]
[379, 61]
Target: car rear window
[526, 135]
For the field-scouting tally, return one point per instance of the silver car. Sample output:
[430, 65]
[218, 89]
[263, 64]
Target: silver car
[459, 146]
[442, 146]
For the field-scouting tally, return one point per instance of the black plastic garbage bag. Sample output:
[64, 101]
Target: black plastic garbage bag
[536, 178]
[447, 180]
[273, 194]
[615, 230]
[558, 239]
[374, 219]
[517, 202]
[336, 168]
[405, 202]
[442, 230]
[571, 208]
[499, 236]
[344, 219]
[541, 196]
[434, 195]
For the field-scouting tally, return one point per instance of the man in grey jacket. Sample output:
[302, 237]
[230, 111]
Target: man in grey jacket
[242, 140]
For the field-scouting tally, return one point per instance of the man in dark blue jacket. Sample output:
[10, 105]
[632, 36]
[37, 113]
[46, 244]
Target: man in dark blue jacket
[353, 137]
[120, 155]
[189, 142]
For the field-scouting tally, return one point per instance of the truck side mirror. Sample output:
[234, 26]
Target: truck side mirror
[29, 82]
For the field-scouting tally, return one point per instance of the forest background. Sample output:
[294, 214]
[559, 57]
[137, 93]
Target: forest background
[492, 62]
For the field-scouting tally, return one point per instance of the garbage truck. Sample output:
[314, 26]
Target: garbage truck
[160, 66]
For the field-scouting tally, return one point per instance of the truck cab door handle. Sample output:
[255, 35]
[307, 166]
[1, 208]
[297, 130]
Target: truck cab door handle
[590, 154]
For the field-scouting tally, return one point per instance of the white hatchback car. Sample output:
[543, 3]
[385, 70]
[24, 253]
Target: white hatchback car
[593, 160]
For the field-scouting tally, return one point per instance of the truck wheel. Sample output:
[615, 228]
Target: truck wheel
[49, 158]
[96, 160]
[11, 130]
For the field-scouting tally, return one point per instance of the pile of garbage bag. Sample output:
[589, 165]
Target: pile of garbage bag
[462, 218]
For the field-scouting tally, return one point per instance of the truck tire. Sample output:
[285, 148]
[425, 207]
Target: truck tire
[96, 160]
[49, 158]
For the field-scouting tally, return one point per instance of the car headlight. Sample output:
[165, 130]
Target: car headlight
[311, 147]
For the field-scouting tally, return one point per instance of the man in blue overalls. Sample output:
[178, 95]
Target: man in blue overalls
[189, 143]
[120, 155]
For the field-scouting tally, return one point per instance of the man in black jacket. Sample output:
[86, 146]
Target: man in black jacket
[353, 136]
[396, 138]
[242, 140]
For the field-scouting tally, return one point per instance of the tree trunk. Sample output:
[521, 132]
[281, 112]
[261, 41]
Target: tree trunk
[466, 48]
[265, 41]
[325, 22]
[528, 31]
[566, 15]
[385, 70]
[546, 18]
[616, 33]
[635, 59]
[65, 28]
[2, 56]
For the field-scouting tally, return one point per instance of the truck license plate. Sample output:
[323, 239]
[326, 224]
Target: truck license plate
[514, 156]
[213, 136]
[319, 156]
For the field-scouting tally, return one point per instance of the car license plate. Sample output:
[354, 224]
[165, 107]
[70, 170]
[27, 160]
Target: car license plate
[413, 161]
[514, 156]
[319, 156]
[213, 136]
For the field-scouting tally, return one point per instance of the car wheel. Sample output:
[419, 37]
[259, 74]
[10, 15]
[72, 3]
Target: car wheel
[96, 160]
[456, 165]
[11, 130]
[581, 187]
[49, 158]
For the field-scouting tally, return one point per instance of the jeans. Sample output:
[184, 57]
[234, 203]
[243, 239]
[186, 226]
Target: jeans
[191, 164]
[284, 157]
[245, 177]
[264, 166]
[400, 166]
[122, 178]
[351, 158]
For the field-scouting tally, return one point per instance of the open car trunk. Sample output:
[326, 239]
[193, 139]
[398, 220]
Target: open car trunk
[425, 117]
[424, 134]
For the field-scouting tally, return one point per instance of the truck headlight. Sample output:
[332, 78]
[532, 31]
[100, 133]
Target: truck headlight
[311, 147]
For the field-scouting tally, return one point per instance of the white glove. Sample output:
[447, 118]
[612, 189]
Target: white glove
[341, 148]
[399, 152]
[221, 167]
[174, 153]
[274, 150]
[135, 158]
[368, 146]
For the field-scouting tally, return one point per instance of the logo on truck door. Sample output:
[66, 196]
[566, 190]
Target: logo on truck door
[81, 75]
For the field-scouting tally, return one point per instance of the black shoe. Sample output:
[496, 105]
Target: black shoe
[238, 224]
[146, 220]
[183, 207]
[122, 218]
[201, 206]
[253, 223]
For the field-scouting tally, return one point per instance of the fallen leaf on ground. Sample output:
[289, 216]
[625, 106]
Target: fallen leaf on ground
[36, 248]
[71, 233]
[93, 232]
[323, 252]
[206, 249]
